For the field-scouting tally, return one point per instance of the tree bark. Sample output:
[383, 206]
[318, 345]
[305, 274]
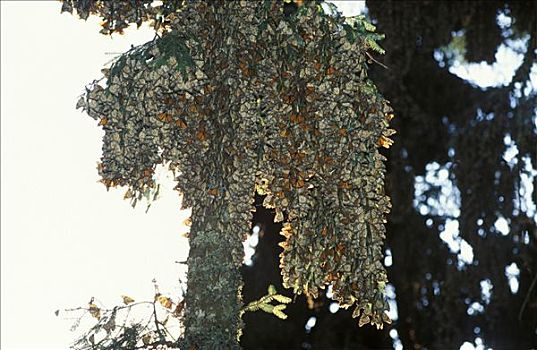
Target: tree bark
[213, 298]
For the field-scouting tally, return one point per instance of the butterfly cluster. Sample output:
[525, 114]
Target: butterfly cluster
[241, 96]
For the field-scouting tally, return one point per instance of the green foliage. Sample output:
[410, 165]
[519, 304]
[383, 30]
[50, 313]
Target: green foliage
[455, 50]
[360, 27]
[172, 45]
[264, 304]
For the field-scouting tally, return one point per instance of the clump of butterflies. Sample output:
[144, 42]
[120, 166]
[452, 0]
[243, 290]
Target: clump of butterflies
[284, 108]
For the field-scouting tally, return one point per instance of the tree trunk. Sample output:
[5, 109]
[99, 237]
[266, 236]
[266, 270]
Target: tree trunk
[213, 298]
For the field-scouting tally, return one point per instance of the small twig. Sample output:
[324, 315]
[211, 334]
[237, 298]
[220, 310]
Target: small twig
[374, 60]
[156, 319]
[169, 333]
[527, 298]
[81, 308]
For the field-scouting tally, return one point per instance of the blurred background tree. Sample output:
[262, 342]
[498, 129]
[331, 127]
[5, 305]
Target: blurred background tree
[461, 244]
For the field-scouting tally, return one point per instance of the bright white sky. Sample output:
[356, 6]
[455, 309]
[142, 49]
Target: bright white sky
[64, 238]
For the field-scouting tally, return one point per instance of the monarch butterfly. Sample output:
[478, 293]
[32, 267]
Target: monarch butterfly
[384, 142]
[165, 117]
[330, 70]
[213, 192]
[180, 123]
[201, 135]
